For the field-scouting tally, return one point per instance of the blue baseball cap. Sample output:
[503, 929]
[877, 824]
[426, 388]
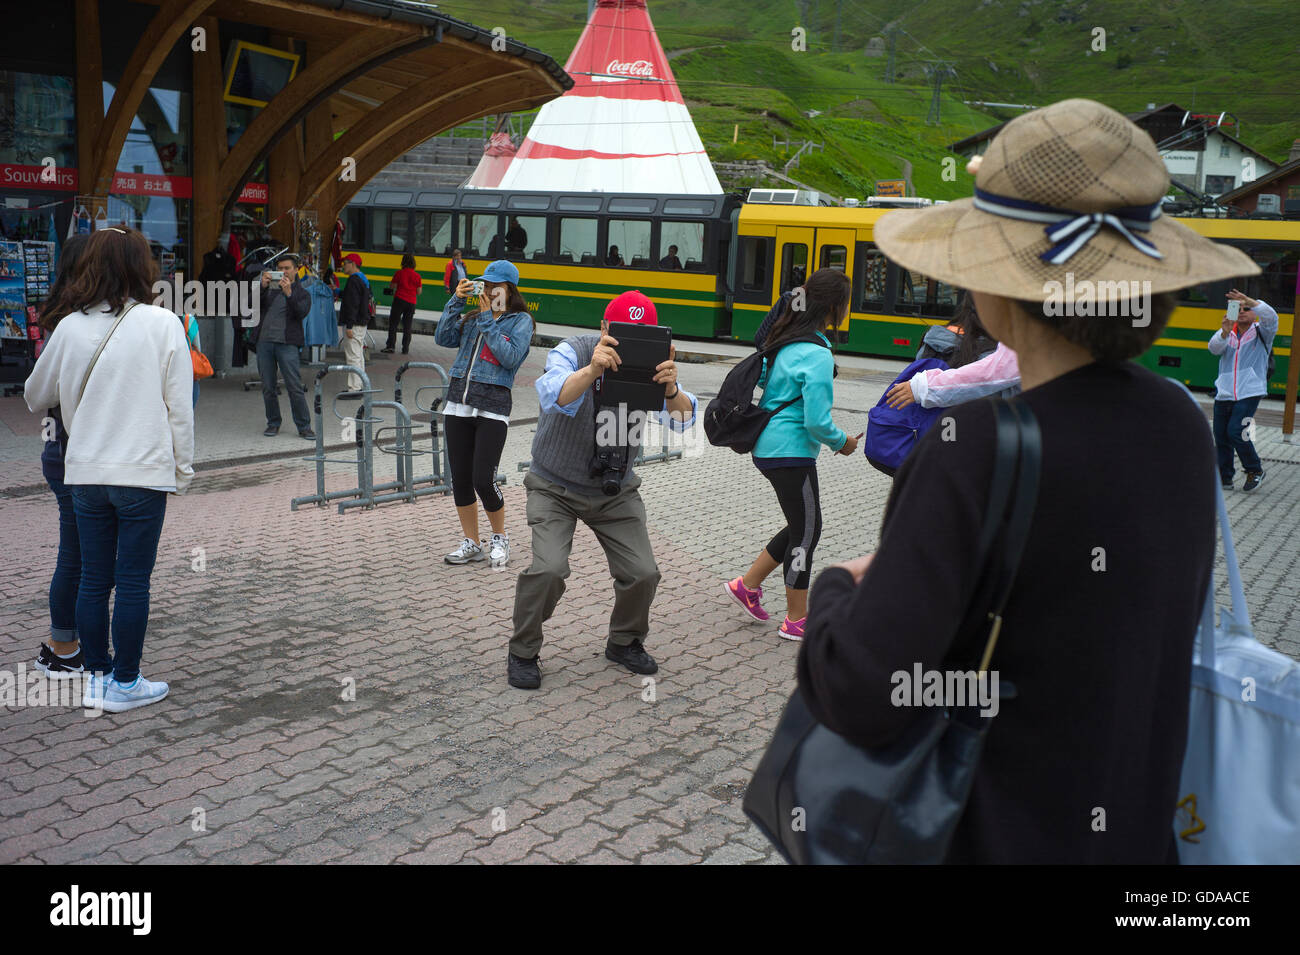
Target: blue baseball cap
[501, 271]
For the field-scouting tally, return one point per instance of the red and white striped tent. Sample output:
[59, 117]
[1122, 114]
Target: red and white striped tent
[496, 160]
[623, 127]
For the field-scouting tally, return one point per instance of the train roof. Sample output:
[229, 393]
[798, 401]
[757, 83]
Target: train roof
[524, 202]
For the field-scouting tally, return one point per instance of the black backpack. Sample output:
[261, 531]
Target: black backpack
[733, 420]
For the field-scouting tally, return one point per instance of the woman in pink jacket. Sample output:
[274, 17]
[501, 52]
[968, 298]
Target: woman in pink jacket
[996, 372]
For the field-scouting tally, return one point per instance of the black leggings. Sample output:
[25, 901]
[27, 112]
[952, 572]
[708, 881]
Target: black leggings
[403, 312]
[800, 500]
[474, 447]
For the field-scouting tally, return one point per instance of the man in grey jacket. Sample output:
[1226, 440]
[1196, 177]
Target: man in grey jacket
[1243, 348]
[562, 491]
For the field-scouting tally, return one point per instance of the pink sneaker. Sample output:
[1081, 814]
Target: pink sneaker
[792, 629]
[748, 599]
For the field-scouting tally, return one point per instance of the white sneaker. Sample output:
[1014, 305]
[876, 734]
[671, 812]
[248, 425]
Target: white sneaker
[119, 697]
[93, 698]
[500, 550]
[467, 551]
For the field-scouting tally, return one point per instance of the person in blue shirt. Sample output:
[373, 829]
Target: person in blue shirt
[1243, 347]
[786, 452]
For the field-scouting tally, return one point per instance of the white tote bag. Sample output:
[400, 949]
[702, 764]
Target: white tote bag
[1240, 789]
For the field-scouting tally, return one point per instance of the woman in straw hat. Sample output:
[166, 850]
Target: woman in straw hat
[1083, 762]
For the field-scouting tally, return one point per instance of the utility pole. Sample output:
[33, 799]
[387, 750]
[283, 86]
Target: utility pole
[891, 39]
[937, 72]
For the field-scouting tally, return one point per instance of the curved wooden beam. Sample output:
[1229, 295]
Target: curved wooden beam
[172, 20]
[384, 127]
[359, 54]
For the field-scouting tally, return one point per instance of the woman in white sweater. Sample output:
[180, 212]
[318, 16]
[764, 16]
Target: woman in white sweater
[119, 369]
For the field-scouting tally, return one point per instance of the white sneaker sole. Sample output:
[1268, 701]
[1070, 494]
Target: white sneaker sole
[788, 636]
[464, 560]
[499, 561]
[59, 674]
[121, 706]
[741, 604]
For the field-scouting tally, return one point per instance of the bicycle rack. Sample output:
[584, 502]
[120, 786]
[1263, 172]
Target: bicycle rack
[407, 487]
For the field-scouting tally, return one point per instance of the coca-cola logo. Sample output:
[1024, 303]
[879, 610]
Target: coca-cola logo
[634, 68]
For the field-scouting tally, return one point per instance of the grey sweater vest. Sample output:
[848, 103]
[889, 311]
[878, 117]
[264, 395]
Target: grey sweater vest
[563, 447]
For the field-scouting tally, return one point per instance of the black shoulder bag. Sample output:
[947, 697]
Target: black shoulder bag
[821, 799]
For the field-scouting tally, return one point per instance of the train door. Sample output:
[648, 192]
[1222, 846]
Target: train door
[835, 251]
[794, 250]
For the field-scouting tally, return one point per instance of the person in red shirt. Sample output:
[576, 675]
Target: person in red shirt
[406, 289]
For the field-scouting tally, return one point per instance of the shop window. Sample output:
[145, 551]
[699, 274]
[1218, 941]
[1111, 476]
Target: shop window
[629, 244]
[688, 237]
[578, 241]
[37, 119]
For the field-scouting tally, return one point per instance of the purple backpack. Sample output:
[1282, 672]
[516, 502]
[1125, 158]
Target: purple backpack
[892, 433]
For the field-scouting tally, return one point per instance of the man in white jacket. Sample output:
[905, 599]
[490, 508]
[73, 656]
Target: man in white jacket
[121, 374]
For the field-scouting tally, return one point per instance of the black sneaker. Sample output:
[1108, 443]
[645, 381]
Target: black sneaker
[309, 434]
[58, 668]
[524, 674]
[1253, 480]
[632, 656]
[271, 432]
[1227, 485]
[386, 351]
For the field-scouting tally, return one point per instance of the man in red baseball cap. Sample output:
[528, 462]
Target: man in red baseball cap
[565, 485]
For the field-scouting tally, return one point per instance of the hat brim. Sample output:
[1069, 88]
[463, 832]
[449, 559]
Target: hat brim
[976, 250]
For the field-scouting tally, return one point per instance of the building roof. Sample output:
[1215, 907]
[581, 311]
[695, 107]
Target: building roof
[624, 126]
[1255, 185]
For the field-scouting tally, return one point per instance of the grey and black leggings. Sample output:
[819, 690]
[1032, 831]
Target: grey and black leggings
[474, 447]
[800, 500]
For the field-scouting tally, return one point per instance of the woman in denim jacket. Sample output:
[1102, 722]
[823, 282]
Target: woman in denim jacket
[493, 343]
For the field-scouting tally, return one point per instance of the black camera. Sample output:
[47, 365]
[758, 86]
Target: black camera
[609, 464]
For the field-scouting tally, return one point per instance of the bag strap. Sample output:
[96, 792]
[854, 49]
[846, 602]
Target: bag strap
[98, 351]
[1019, 439]
[771, 350]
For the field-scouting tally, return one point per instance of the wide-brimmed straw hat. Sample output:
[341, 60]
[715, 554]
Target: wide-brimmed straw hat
[1073, 189]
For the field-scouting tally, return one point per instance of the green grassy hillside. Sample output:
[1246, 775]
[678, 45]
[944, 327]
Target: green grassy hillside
[735, 67]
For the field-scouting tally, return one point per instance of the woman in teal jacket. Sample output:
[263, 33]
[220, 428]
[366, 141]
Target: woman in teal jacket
[786, 452]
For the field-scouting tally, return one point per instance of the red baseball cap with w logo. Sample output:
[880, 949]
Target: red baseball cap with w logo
[632, 307]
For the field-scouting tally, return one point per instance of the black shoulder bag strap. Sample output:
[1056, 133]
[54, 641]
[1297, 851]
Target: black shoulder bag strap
[770, 353]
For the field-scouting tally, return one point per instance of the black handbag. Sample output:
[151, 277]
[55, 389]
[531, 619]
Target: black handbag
[821, 799]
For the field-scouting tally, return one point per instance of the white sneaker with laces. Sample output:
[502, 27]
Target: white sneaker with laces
[467, 551]
[499, 552]
[119, 697]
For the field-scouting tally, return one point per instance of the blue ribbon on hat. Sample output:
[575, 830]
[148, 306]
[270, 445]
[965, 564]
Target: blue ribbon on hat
[1068, 230]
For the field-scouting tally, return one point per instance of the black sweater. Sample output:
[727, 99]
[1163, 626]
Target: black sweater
[1101, 660]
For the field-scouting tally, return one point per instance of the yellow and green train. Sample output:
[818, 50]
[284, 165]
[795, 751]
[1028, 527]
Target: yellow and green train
[714, 264]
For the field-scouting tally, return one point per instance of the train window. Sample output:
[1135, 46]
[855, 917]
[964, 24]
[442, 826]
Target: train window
[1202, 295]
[362, 198]
[834, 257]
[432, 232]
[536, 203]
[872, 268]
[688, 207]
[525, 237]
[388, 230]
[478, 236]
[578, 241]
[629, 243]
[632, 205]
[354, 227]
[393, 198]
[481, 200]
[920, 295]
[578, 203]
[794, 265]
[753, 265]
[1277, 285]
[438, 199]
[688, 237]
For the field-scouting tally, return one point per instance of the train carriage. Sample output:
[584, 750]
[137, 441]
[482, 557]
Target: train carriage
[735, 258]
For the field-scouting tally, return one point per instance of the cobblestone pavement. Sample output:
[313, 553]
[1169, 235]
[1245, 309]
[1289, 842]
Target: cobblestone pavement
[436, 759]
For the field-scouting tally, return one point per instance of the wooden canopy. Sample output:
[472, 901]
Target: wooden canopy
[375, 78]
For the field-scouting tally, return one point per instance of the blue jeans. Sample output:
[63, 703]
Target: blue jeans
[1228, 418]
[67, 568]
[119, 528]
[269, 356]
